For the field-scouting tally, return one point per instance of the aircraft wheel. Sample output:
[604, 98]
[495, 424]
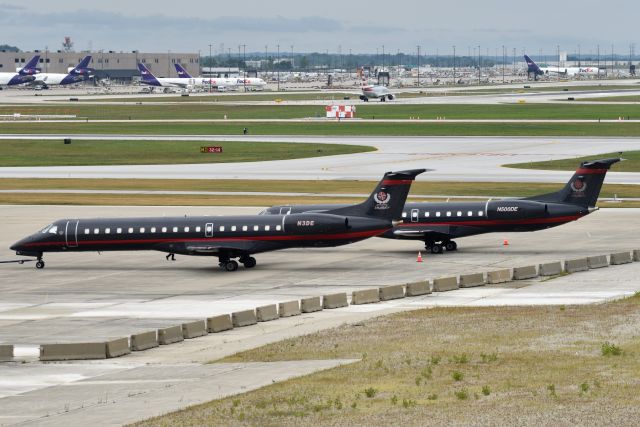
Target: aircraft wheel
[40, 264]
[451, 246]
[231, 265]
[249, 262]
[436, 249]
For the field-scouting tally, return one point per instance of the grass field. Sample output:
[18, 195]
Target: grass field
[249, 97]
[333, 128]
[96, 152]
[622, 98]
[553, 365]
[630, 164]
[386, 111]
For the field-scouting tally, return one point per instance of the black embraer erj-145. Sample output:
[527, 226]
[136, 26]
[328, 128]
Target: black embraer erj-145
[437, 224]
[228, 237]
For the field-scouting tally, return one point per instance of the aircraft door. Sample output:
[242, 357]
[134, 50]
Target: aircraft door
[415, 215]
[71, 233]
[286, 210]
[208, 229]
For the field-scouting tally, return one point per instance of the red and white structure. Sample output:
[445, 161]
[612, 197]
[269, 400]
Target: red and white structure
[340, 111]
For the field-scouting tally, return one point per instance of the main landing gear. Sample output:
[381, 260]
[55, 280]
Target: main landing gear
[232, 265]
[439, 247]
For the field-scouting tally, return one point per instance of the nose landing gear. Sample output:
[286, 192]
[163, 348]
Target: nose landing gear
[40, 264]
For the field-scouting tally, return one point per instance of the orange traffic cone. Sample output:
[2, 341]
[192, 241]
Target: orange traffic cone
[505, 243]
[419, 257]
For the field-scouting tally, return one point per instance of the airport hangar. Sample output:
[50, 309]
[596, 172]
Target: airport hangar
[110, 64]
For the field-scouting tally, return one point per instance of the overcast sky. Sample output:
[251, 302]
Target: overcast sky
[191, 25]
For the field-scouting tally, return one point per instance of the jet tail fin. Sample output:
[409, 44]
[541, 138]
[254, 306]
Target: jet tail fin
[82, 67]
[146, 75]
[584, 186]
[182, 73]
[388, 198]
[30, 67]
[532, 67]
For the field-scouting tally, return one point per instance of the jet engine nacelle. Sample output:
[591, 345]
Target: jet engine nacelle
[316, 223]
[516, 209]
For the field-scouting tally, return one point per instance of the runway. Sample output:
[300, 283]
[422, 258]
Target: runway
[467, 159]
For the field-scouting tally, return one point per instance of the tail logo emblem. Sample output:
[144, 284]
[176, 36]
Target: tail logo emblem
[382, 197]
[578, 185]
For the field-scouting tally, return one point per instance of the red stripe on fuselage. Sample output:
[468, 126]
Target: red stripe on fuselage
[476, 223]
[339, 236]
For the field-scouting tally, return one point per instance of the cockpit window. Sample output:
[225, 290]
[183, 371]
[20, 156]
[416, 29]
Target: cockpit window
[264, 212]
[54, 229]
[44, 230]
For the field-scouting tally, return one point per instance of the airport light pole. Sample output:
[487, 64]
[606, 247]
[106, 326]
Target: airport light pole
[209, 62]
[278, 68]
[504, 60]
[454, 64]
[418, 65]
[244, 66]
[598, 50]
[479, 65]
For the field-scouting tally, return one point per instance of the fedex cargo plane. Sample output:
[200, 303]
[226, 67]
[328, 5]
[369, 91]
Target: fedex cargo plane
[77, 74]
[535, 70]
[222, 82]
[23, 75]
[438, 224]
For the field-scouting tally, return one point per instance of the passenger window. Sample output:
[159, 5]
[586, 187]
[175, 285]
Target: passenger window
[448, 213]
[119, 230]
[86, 231]
[107, 231]
[130, 230]
[222, 228]
[198, 229]
[459, 213]
[256, 228]
[209, 229]
[245, 228]
[186, 229]
[437, 214]
[267, 228]
[480, 213]
[96, 231]
[426, 214]
[164, 229]
[175, 229]
[404, 214]
[278, 228]
[141, 230]
[233, 228]
[470, 213]
[153, 229]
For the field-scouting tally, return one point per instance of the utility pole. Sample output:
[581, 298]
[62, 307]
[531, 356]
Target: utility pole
[598, 50]
[209, 63]
[418, 65]
[454, 64]
[479, 65]
[244, 66]
[504, 62]
[278, 68]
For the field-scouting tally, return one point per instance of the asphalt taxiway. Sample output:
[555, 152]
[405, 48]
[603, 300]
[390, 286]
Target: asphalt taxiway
[465, 159]
[83, 297]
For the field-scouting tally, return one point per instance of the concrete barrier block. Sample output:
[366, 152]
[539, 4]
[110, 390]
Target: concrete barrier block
[443, 284]
[636, 255]
[6, 352]
[244, 318]
[335, 300]
[118, 347]
[194, 329]
[144, 341]
[526, 272]
[576, 265]
[170, 335]
[311, 304]
[597, 261]
[550, 268]
[391, 292]
[290, 308]
[620, 258]
[365, 296]
[267, 313]
[471, 280]
[415, 289]
[499, 276]
[220, 323]
[73, 351]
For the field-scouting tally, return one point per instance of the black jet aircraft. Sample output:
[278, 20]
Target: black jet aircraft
[437, 224]
[228, 237]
